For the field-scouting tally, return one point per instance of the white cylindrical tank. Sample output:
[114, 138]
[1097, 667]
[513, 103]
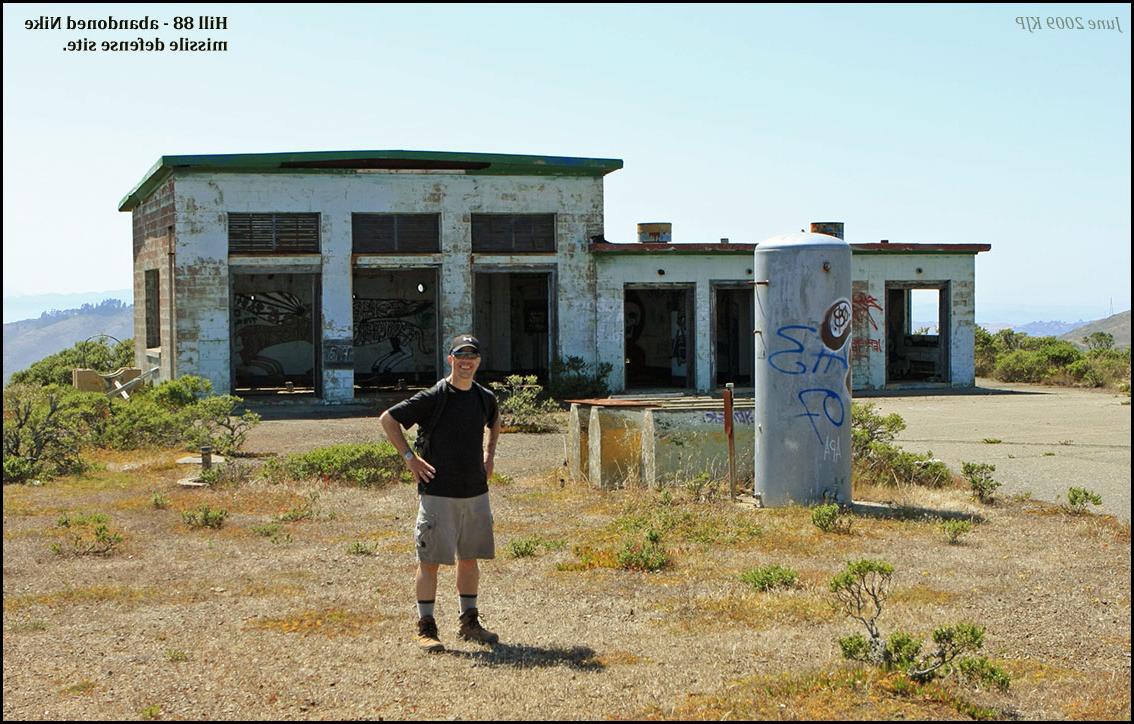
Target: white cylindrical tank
[803, 379]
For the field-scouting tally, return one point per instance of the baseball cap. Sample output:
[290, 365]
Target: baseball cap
[462, 341]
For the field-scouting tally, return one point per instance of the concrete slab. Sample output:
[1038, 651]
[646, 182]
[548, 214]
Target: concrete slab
[1050, 438]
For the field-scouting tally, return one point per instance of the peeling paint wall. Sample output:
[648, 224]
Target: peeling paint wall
[204, 200]
[871, 272]
[615, 271]
[154, 222]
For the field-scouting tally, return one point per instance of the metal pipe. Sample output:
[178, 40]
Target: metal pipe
[728, 428]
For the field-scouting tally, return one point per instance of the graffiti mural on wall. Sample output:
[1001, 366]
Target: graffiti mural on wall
[265, 320]
[401, 324]
[864, 305]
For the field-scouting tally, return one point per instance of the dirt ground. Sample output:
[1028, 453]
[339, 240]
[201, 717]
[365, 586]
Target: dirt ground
[239, 624]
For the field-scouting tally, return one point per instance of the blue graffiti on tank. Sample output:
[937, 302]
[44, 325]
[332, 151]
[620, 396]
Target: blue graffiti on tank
[793, 361]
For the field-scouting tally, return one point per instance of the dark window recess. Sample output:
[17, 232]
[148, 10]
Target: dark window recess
[510, 233]
[392, 233]
[273, 233]
[153, 309]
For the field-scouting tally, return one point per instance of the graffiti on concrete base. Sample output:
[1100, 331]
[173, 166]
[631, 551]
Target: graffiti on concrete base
[744, 417]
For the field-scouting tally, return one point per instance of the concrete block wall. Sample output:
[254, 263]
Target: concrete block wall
[871, 272]
[153, 241]
[205, 199]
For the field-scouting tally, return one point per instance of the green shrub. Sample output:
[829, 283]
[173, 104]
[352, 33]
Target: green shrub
[1077, 499]
[575, 379]
[644, 556]
[1099, 341]
[214, 422]
[984, 352]
[90, 535]
[860, 593]
[181, 392]
[96, 354]
[1059, 353]
[204, 517]
[956, 529]
[522, 547]
[829, 518]
[231, 474]
[141, 422]
[980, 480]
[876, 459]
[1021, 366]
[767, 578]
[520, 406]
[45, 429]
[358, 548]
[365, 464]
[159, 501]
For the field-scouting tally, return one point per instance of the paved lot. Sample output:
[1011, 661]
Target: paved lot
[1052, 438]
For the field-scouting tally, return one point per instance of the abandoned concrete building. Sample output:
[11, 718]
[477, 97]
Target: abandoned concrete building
[331, 274]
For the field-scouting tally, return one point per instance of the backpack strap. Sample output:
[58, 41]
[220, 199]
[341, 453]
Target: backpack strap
[488, 404]
[424, 431]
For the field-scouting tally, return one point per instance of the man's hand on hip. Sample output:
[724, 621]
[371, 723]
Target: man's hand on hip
[421, 470]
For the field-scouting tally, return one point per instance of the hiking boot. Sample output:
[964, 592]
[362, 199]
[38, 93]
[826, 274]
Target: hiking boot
[471, 630]
[427, 638]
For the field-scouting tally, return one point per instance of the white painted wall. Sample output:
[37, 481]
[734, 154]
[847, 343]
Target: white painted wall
[614, 270]
[958, 269]
[204, 200]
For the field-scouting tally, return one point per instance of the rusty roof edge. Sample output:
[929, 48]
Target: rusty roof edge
[610, 247]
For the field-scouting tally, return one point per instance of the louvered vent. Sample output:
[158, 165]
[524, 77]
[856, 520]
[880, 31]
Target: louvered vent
[273, 233]
[396, 233]
[512, 233]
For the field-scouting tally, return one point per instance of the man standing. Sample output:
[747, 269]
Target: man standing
[452, 470]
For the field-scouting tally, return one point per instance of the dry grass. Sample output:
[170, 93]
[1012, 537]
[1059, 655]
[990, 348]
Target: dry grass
[269, 626]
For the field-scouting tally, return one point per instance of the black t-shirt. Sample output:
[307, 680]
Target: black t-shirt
[456, 445]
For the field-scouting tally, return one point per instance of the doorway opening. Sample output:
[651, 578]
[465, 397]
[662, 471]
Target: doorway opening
[275, 340]
[917, 332]
[395, 328]
[658, 326]
[734, 342]
[513, 320]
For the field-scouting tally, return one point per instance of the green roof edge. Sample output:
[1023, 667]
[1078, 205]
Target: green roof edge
[497, 164]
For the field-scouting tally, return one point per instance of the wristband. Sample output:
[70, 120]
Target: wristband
[408, 455]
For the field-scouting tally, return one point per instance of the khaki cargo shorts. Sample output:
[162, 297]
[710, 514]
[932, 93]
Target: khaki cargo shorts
[449, 528]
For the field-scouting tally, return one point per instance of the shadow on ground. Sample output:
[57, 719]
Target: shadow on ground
[522, 656]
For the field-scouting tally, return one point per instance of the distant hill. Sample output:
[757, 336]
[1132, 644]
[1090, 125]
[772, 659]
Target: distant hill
[1117, 325]
[30, 340]
[1047, 329]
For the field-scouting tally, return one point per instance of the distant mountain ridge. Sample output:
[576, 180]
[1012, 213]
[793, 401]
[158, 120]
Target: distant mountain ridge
[1048, 329]
[1116, 325]
[30, 340]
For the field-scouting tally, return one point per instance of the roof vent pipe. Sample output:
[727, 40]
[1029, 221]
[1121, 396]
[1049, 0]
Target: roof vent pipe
[655, 232]
[830, 228]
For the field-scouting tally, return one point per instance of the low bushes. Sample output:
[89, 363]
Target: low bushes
[878, 460]
[365, 464]
[1015, 357]
[46, 427]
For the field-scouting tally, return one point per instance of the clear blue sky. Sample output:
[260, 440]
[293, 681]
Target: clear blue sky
[925, 124]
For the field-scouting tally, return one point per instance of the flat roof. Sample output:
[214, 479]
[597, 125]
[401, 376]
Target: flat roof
[607, 247]
[492, 164]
